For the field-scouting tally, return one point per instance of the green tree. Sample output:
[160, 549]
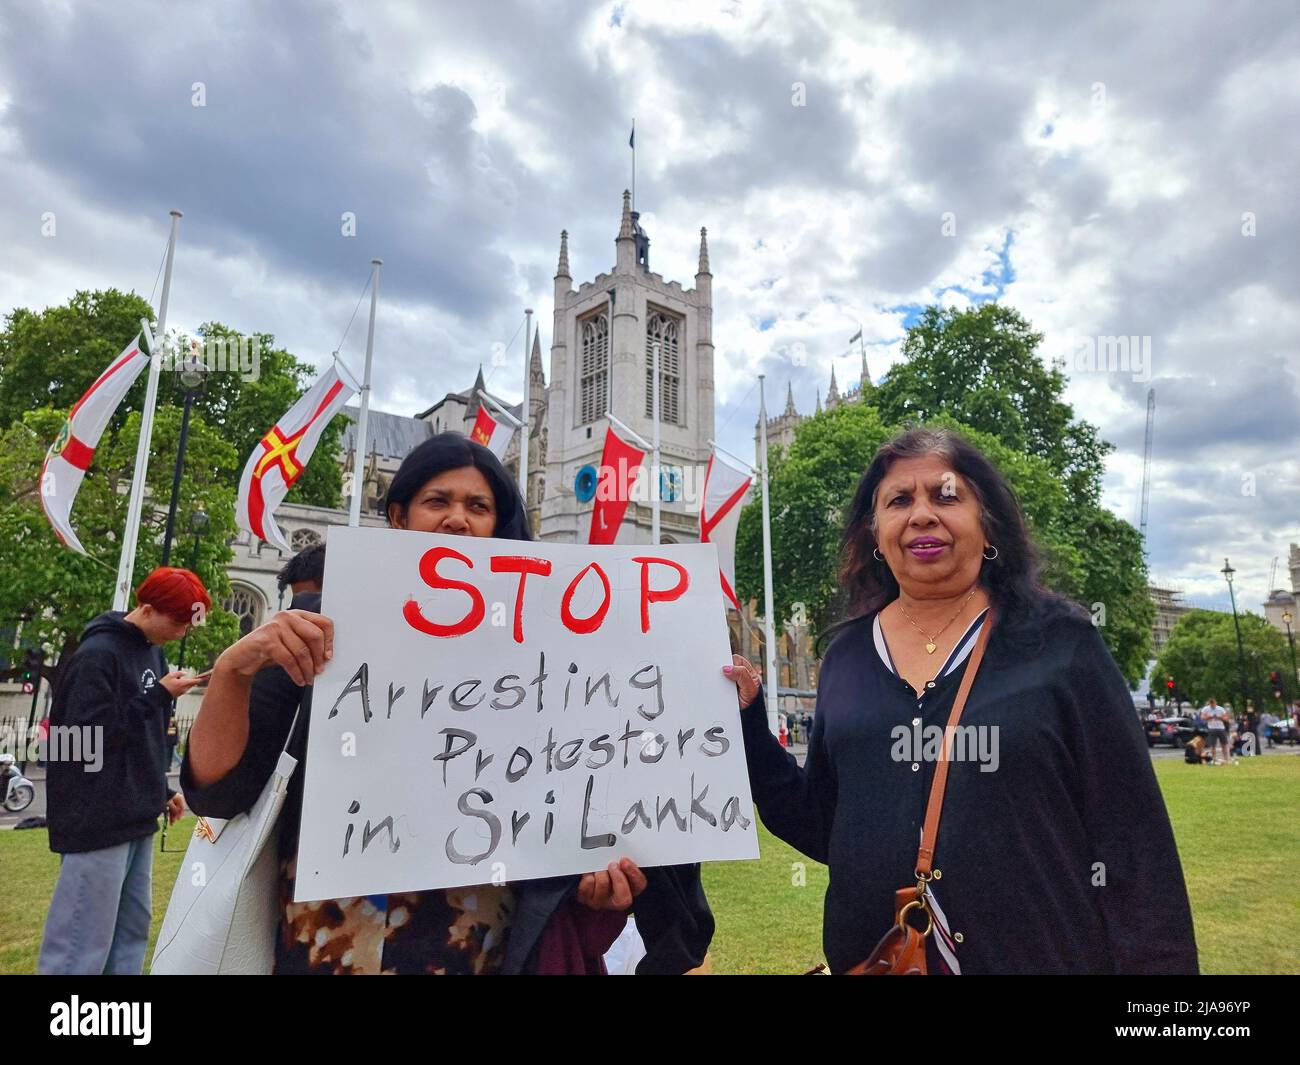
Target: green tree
[982, 367]
[1113, 585]
[54, 590]
[813, 485]
[1201, 655]
[49, 359]
[811, 488]
[976, 372]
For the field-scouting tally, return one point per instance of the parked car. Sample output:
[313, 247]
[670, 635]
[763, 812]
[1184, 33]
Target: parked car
[1175, 731]
[1285, 733]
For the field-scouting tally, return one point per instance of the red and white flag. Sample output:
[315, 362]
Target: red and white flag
[283, 453]
[66, 463]
[492, 434]
[619, 465]
[724, 488]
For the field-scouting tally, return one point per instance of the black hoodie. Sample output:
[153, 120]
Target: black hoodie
[111, 683]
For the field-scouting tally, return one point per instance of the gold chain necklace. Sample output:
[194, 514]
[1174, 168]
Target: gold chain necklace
[931, 646]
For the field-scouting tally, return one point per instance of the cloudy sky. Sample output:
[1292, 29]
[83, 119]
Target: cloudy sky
[1108, 169]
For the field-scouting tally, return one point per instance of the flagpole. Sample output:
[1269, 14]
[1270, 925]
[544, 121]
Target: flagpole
[656, 474]
[488, 401]
[525, 412]
[358, 461]
[769, 627]
[642, 442]
[862, 346]
[633, 146]
[135, 502]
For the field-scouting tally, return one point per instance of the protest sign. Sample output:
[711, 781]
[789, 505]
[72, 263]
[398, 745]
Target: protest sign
[497, 710]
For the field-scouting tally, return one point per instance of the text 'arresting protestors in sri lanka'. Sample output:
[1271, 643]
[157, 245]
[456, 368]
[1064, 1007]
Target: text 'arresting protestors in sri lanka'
[449, 485]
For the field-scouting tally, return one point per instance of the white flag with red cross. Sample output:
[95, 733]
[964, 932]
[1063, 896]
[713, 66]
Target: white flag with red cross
[724, 489]
[70, 455]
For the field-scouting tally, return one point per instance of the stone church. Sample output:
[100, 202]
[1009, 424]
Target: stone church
[603, 342]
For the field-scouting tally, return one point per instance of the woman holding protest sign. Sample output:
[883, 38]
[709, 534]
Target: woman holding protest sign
[1052, 852]
[450, 485]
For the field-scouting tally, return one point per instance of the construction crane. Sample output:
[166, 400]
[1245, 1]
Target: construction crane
[1146, 463]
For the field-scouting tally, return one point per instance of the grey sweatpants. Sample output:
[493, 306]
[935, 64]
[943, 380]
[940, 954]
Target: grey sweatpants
[99, 915]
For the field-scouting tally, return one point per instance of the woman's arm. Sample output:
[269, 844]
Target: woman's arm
[242, 725]
[796, 804]
[298, 641]
[1141, 891]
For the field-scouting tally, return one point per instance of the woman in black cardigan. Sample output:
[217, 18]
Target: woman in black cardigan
[1054, 852]
[450, 485]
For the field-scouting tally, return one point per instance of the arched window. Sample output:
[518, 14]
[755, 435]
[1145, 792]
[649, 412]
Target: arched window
[593, 371]
[248, 606]
[663, 332]
[303, 539]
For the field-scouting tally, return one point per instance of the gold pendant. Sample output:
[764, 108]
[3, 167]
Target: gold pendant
[929, 648]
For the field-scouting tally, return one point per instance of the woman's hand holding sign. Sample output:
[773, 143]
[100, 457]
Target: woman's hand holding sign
[747, 679]
[298, 641]
[612, 888]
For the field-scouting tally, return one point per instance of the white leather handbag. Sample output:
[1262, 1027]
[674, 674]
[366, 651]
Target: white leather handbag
[225, 908]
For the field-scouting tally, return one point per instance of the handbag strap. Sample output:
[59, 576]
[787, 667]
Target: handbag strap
[933, 808]
[302, 701]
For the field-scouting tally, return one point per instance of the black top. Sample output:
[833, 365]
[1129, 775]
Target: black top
[1060, 859]
[112, 685]
[672, 914]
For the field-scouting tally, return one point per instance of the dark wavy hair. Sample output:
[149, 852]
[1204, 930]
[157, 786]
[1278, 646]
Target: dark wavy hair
[452, 451]
[1012, 580]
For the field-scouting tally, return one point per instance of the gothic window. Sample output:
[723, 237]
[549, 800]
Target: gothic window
[247, 605]
[663, 332]
[303, 538]
[593, 371]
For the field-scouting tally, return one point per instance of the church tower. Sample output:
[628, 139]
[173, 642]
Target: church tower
[602, 351]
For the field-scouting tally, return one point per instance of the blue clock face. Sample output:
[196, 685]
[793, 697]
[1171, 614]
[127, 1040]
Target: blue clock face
[584, 485]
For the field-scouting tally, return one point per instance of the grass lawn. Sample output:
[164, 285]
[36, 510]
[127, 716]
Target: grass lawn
[1238, 831]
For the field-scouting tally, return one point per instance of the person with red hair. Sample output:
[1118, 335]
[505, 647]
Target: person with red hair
[106, 778]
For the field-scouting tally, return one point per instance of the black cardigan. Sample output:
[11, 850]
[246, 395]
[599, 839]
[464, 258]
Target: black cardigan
[1018, 847]
[672, 913]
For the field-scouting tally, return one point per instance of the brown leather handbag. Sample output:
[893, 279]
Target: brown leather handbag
[901, 950]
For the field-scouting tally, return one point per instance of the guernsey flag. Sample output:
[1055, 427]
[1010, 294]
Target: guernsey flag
[283, 453]
[492, 434]
[70, 455]
[724, 489]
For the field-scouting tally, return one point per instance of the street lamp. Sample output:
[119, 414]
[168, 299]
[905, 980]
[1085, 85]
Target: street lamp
[1287, 618]
[1227, 572]
[192, 375]
[198, 522]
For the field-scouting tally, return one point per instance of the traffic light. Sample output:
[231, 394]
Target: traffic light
[1275, 679]
[1169, 683]
[32, 662]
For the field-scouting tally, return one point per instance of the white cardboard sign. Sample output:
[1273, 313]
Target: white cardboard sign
[497, 710]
